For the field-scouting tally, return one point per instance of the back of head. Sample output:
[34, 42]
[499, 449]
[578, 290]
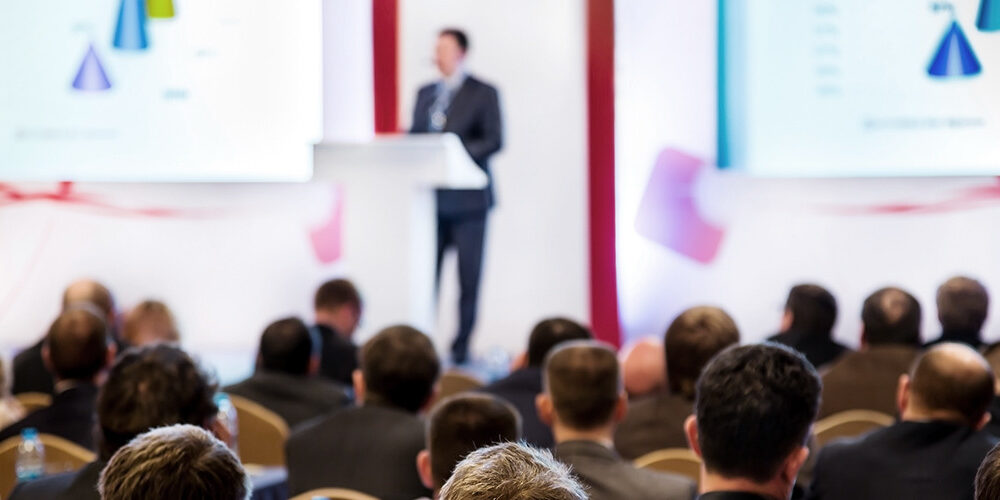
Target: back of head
[464, 423]
[400, 368]
[513, 472]
[77, 344]
[754, 408]
[180, 461]
[149, 387]
[891, 316]
[988, 476]
[691, 340]
[813, 308]
[91, 292]
[952, 379]
[584, 382]
[962, 305]
[336, 293]
[149, 322]
[550, 333]
[644, 368]
[287, 346]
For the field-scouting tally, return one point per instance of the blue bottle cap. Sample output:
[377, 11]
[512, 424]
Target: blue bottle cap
[29, 433]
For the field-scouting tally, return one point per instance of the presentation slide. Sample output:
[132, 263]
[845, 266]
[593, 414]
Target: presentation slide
[160, 90]
[830, 88]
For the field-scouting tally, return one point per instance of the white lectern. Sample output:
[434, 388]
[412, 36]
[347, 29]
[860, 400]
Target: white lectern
[389, 232]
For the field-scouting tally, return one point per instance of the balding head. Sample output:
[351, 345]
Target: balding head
[76, 347]
[962, 305]
[644, 368]
[948, 382]
[891, 316]
[92, 292]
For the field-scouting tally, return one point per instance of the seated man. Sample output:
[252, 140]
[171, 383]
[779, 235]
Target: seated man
[934, 451]
[372, 448]
[522, 386]
[460, 425]
[147, 387]
[149, 322]
[76, 351]
[754, 410]
[657, 422]
[285, 381]
[807, 325]
[511, 471]
[644, 368]
[962, 305]
[337, 307]
[583, 401]
[988, 476]
[168, 463]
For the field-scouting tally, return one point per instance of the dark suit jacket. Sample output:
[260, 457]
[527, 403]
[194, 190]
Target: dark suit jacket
[653, 423]
[731, 495]
[474, 116]
[78, 485]
[295, 398]
[866, 379]
[70, 416]
[30, 374]
[971, 339]
[608, 477]
[926, 460]
[819, 349]
[372, 449]
[338, 357]
[520, 389]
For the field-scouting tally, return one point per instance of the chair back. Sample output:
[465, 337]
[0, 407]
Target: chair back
[334, 494]
[850, 423]
[61, 455]
[674, 460]
[455, 382]
[32, 401]
[262, 433]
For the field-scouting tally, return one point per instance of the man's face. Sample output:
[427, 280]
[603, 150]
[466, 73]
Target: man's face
[448, 55]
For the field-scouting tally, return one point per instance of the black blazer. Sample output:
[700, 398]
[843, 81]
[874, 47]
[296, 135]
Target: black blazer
[819, 349]
[474, 116]
[653, 423]
[338, 356]
[608, 477]
[520, 389]
[866, 380]
[30, 374]
[78, 485]
[926, 460]
[731, 495]
[70, 416]
[295, 398]
[372, 449]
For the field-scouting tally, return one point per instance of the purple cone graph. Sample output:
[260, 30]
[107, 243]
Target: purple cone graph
[954, 56]
[130, 30]
[989, 15]
[91, 76]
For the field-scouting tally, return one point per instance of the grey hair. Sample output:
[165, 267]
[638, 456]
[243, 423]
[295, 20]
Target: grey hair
[512, 471]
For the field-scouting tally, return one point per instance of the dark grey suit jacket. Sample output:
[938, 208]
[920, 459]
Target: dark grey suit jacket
[70, 416]
[653, 423]
[520, 389]
[295, 399]
[608, 477]
[866, 380]
[78, 485]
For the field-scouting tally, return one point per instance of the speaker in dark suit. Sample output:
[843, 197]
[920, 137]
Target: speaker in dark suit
[470, 108]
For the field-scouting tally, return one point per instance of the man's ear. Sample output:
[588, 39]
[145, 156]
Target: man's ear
[864, 338]
[359, 386]
[985, 419]
[621, 408]
[546, 413]
[432, 399]
[793, 464]
[903, 394]
[111, 355]
[313, 368]
[424, 469]
[47, 357]
[786, 320]
[691, 431]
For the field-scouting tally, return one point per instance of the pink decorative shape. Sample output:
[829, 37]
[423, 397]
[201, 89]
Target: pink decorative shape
[327, 239]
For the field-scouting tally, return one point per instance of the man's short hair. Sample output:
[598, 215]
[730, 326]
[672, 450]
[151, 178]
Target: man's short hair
[150, 321]
[691, 340]
[149, 387]
[78, 344]
[400, 368]
[463, 423]
[953, 378]
[92, 292]
[180, 461]
[988, 476]
[962, 304]
[337, 293]
[460, 37]
[512, 471]
[583, 379]
[891, 316]
[287, 346]
[755, 406]
[813, 308]
[550, 333]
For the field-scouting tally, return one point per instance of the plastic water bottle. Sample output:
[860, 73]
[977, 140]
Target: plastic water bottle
[227, 417]
[30, 456]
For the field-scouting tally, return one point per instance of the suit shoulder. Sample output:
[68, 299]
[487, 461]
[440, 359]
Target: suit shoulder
[427, 88]
[481, 84]
[674, 485]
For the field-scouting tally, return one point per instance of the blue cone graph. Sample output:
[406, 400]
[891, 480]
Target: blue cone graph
[989, 15]
[130, 30]
[954, 57]
[91, 76]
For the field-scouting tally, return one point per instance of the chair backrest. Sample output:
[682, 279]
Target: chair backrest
[334, 494]
[61, 455]
[32, 401]
[456, 382]
[262, 433]
[850, 423]
[676, 460]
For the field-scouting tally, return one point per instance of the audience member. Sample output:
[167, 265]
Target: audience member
[147, 387]
[754, 410]
[285, 380]
[992, 356]
[934, 451]
[583, 401]
[523, 385]
[337, 307]
[30, 372]
[10, 409]
[179, 461]
[890, 340]
[807, 325]
[149, 322]
[372, 448]
[644, 368]
[76, 351]
[692, 339]
[511, 471]
[962, 305]
[460, 425]
[988, 476]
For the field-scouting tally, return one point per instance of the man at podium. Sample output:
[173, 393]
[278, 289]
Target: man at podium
[469, 108]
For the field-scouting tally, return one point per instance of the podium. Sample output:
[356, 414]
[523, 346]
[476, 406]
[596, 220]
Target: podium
[389, 224]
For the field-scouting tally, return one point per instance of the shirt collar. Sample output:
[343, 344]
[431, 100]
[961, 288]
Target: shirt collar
[456, 79]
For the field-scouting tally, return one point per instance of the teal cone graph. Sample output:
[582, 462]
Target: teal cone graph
[989, 15]
[130, 30]
[955, 56]
[91, 76]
